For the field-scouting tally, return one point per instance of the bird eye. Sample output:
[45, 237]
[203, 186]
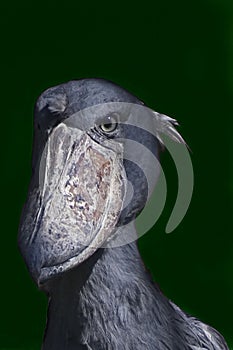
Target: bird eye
[109, 124]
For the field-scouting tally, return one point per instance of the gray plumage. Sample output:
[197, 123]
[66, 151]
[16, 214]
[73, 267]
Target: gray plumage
[107, 300]
[114, 304]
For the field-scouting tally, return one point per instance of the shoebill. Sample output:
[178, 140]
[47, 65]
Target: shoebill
[100, 295]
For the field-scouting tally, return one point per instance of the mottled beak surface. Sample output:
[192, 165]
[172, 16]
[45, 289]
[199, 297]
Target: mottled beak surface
[75, 205]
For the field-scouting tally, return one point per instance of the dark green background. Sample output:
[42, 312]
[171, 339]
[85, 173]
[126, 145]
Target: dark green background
[177, 57]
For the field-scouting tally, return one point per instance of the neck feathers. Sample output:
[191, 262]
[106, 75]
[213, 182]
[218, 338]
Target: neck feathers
[109, 299]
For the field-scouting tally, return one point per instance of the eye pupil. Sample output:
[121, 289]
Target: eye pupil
[108, 126]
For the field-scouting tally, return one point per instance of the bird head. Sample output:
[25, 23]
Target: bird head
[86, 181]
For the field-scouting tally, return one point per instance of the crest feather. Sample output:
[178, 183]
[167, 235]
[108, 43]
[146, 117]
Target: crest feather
[166, 125]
